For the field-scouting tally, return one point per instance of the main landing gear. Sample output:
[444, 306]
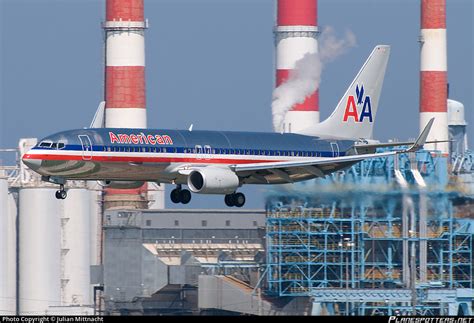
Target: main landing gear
[179, 195]
[61, 194]
[235, 199]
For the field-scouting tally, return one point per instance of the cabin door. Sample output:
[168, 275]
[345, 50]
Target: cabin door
[86, 147]
[335, 149]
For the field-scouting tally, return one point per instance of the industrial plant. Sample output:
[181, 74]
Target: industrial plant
[392, 235]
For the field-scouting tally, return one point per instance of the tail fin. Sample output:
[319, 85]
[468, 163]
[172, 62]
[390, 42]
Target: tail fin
[354, 116]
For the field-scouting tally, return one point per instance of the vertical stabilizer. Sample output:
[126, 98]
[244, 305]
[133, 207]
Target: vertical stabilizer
[354, 116]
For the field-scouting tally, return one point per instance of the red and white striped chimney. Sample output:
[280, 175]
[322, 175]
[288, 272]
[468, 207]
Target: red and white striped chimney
[433, 72]
[295, 36]
[125, 81]
[125, 64]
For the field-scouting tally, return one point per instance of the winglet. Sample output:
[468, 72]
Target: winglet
[422, 138]
[98, 121]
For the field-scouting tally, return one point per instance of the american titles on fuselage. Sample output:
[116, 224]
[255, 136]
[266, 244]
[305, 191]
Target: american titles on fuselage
[141, 138]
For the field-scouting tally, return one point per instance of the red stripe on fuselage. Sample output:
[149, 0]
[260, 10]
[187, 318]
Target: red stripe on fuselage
[149, 159]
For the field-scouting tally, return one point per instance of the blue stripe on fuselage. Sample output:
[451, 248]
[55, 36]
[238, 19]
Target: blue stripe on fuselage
[189, 150]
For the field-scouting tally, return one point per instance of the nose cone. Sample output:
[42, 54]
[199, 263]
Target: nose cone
[33, 164]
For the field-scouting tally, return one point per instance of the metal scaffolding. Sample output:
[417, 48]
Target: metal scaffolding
[384, 225]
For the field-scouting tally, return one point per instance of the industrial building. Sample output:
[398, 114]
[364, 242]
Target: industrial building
[388, 236]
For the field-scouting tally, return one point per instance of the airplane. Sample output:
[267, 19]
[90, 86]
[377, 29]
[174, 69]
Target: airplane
[219, 162]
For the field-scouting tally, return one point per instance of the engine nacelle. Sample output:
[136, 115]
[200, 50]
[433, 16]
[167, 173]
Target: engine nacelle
[213, 180]
[121, 184]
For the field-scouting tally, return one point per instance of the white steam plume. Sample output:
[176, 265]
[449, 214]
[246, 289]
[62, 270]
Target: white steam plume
[304, 79]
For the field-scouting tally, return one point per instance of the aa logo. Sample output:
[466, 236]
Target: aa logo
[363, 103]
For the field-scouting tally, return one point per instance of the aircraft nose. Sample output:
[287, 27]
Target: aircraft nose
[33, 164]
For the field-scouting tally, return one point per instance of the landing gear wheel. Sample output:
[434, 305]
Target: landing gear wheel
[179, 195]
[239, 199]
[175, 194]
[235, 199]
[61, 194]
[229, 200]
[185, 196]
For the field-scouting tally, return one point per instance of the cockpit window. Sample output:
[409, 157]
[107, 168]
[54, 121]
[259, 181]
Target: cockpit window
[53, 145]
[45, 144]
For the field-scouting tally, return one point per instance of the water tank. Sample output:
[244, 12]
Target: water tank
[457, 128]
[95, 194]
[55, 252]
[40, 251]
[75, 251]
[456, 113]
[7, 249]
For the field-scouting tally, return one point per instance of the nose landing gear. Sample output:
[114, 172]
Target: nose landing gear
[235, 199]
[61, 194]
[179, 195]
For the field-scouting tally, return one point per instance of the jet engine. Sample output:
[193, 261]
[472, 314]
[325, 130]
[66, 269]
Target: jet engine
[213, 180]
[121, 184]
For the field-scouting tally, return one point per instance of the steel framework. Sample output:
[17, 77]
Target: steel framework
[384, 224]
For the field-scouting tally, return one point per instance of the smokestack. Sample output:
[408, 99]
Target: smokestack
[125, 80]
[433, 72]
[125, 64]
[295, 36]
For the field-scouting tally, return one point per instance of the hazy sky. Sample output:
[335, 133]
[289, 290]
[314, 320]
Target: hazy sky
[210, 63]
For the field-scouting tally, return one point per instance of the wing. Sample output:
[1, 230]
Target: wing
[291, 171]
